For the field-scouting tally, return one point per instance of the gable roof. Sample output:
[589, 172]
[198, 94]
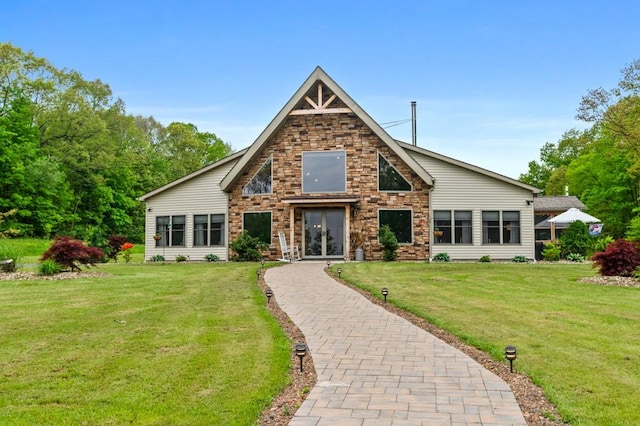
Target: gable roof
[557, 203]
[318, 75]
[468, 166]
[192, 175]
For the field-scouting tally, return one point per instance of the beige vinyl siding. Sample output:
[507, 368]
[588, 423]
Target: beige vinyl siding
[459, 188]
[199, 195]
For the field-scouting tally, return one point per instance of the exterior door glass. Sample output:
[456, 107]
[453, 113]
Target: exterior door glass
[324, 233]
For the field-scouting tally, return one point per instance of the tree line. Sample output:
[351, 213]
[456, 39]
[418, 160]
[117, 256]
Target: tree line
[73, 162]
[601, 163]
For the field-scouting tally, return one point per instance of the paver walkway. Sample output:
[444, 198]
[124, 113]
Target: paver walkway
[375, 368]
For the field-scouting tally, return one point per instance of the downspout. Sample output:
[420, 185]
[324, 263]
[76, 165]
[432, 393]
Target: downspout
[431, 223]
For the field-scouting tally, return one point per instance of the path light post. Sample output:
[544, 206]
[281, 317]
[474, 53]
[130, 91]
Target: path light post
[301, 351]
[328, 264]
[262, 262]
[510, 354]
[385, 292]
[339, 272]
[268, 293]
[258, 274]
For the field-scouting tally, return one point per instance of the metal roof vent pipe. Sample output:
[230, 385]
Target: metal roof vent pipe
[414, 136]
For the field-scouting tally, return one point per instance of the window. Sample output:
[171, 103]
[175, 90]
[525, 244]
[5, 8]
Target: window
[260, 183]
[459, 231]
[217, 230]
[324, 171]
[496, 231]
[208, 230]
[463, 227]
[171, 231]
[511, 227]
[162, 229]
[400, 223]
[389, 179]
[177, 230]
[200, 222]
[258, 225]
[442, 226]
[490, 227]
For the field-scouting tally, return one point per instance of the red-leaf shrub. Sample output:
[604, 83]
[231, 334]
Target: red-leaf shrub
[70, 254]
[620, 258]
[114, 245]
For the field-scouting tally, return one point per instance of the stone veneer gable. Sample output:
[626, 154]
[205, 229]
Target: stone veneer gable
[325, 132]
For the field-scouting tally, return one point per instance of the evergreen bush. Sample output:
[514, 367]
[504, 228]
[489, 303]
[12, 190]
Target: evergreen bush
[551, 252]
[247, 248]
[389, 243]
[575, 239]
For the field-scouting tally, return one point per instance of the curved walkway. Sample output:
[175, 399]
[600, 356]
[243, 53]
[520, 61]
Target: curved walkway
[375, 368]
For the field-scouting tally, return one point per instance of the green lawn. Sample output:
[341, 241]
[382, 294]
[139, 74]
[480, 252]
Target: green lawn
[192, 344]
[580, 342]
[187, 344]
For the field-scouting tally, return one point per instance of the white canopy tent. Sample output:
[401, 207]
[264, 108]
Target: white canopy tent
[574, 215]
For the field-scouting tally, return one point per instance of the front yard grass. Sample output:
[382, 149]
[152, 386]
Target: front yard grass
[580, 342]
[147, 344]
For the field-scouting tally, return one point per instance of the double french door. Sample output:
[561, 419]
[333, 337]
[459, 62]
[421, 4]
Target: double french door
[323, 233]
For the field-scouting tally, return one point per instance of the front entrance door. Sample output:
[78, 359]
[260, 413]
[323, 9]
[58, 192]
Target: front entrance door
[323, 233]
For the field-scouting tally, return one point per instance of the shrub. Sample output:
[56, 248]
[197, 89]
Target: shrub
[575, 257]
[575, 239]
[70, 254]
[157, 258]
[114, 246]
[519, 259]
[49, 267]
[601, 243]
[211, 258]
[181, 258]
[7, 252]
[247, 248]
[442, 257]
[621, 258]
[551, 252]
[485, 259]
[389, 243]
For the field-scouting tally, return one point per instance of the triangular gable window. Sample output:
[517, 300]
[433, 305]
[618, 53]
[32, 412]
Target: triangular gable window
[389, 179]
[260, 183]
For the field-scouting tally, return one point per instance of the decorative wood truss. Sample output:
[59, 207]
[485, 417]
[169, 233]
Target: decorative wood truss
[319, 106]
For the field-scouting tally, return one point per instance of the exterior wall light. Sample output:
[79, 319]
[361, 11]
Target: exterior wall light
[385, 292]
[301, 351]
[510, 354]
[268, 292]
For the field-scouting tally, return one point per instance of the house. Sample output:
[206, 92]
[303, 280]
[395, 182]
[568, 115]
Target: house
[327, 176]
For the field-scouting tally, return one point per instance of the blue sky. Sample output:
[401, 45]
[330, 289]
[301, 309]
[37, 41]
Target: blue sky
[493, 80]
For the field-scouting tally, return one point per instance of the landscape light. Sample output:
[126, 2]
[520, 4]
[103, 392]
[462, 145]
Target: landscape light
[385, 292]
[262, 261]
[301, 351]
[510, 354]
[339, 272]
[268, 292]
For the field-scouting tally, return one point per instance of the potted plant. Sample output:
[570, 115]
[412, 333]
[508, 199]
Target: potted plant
[357, 241]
